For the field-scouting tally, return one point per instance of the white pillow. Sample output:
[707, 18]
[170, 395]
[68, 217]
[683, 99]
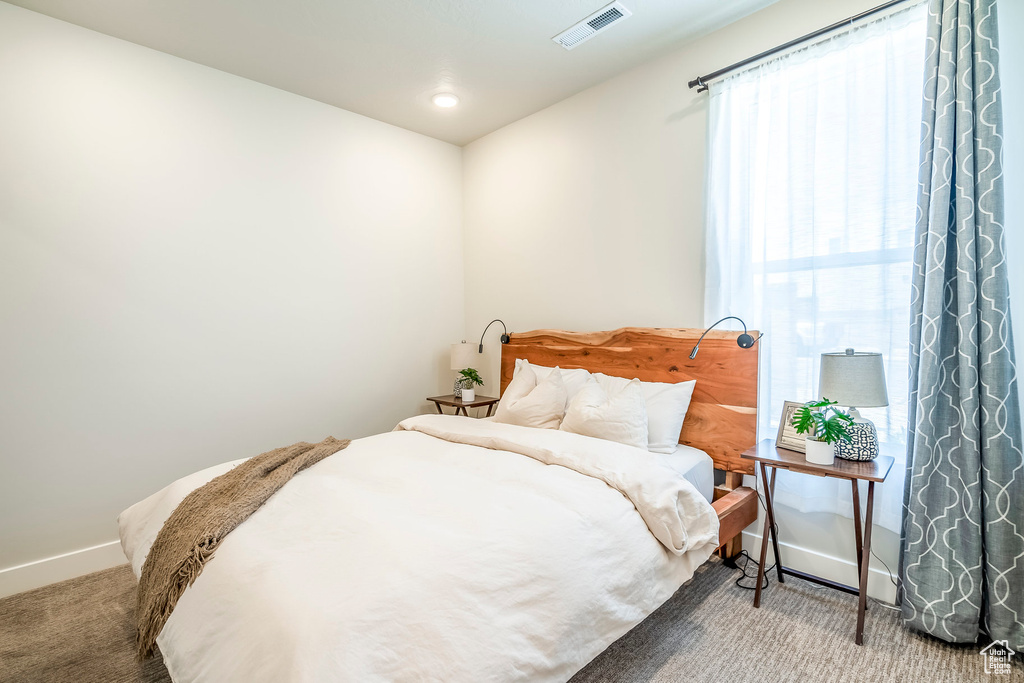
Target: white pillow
[574, 378]
[619, 416]
[666, 409]
[531, 403]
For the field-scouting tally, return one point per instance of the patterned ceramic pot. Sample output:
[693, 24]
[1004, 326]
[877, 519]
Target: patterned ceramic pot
[462, 384]
[863, 444]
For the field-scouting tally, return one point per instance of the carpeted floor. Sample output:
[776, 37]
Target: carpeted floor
[81, 631]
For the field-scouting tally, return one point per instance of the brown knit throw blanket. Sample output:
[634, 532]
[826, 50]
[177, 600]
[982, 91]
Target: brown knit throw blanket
[192, 533]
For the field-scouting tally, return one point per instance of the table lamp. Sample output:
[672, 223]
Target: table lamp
[463, 356]
[855, 379]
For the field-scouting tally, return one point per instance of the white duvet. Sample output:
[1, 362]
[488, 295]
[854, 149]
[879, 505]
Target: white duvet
[450, 549]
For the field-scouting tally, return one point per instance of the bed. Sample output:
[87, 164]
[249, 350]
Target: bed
[455, 549]
[722, 417]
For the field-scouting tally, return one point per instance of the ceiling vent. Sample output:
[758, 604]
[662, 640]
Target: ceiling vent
[599, 21]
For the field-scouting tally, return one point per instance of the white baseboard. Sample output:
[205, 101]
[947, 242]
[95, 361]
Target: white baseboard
[25, 577]
[825, 566]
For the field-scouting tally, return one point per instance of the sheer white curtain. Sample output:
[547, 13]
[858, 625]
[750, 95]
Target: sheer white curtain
[812, 193]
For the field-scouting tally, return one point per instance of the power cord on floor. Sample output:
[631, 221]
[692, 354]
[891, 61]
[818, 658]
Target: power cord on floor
[747, 561]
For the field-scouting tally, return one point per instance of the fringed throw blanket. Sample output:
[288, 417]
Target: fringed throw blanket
[192, 533]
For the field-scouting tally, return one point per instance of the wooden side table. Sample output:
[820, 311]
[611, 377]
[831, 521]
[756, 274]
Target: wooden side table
[461, 406]
[767, 455]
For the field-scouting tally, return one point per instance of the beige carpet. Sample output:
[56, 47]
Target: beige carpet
[77, 631]
[81, 631]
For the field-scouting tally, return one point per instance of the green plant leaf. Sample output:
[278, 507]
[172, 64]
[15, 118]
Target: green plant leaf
[821, 420]
[820, 425]
[803, 420]
[472, 376]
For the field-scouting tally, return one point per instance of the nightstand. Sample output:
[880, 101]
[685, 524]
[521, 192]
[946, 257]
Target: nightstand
[767, 455]
[461, 406]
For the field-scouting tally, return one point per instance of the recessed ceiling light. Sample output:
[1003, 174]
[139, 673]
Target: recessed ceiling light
[445, 100]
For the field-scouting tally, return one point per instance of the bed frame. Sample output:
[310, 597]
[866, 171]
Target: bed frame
[722, 418]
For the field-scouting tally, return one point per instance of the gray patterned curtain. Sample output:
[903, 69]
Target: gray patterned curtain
[962, 551]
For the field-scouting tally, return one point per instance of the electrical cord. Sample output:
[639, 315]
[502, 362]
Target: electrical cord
[894, 608]
[775, 527]
[887, 570]
[748, 560]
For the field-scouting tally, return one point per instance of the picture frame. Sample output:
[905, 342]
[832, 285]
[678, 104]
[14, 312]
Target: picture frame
[788, 437]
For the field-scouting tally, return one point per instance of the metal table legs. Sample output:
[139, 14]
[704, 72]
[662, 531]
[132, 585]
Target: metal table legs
[863, 538]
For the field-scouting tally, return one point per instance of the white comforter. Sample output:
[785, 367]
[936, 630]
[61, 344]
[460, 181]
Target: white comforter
[450, 549]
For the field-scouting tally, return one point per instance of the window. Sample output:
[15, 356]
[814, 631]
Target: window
[812, 193]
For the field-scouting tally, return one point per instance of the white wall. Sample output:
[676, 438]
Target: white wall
[589, 215]
[195, 268]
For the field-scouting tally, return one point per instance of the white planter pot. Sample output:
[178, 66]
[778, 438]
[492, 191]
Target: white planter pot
[820, 453]
[468, 395]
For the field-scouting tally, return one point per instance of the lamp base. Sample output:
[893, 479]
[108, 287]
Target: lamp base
[863, 444]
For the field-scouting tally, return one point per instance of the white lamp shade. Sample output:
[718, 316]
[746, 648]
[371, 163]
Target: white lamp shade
[853, 378]
[463, 356]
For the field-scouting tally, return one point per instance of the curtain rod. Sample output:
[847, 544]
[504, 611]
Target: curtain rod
[701, 82]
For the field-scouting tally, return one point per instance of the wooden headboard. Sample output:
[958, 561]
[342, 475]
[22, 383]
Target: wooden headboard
[722, 418]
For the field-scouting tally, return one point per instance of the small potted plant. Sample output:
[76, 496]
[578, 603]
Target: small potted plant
[467, 381]
[824, 425]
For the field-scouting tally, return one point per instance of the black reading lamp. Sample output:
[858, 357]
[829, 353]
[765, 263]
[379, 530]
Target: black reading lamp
[745, 341]
[504, 335]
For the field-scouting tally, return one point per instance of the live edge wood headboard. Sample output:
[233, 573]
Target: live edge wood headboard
[722, 418]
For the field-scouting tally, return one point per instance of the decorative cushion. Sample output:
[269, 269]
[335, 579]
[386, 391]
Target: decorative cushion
[574, 378]
[617, 416]
[530, 402]
[666, 409]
